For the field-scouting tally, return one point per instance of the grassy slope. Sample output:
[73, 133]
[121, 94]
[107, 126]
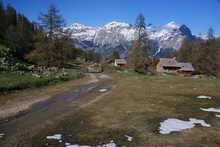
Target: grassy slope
[136, 107]
[2, 46]
[14, 81]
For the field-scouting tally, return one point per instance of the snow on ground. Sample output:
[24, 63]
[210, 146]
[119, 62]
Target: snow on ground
[176, 125]
[203, 97]
[217, 116]
[129, 138]
[211, 109]
[102, 90]
[59, 137]
[201, 122]
[66, 144]
[76, 145]
[55, 137]
[112, 144]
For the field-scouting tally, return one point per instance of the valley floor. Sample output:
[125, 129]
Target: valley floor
[134, 105]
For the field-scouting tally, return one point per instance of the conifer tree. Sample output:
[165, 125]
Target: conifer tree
[2, 19]
[51, 22]
[211, 33]
[11, 15]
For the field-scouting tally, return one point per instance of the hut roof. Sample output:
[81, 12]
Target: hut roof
[169, 62]
[186, 67]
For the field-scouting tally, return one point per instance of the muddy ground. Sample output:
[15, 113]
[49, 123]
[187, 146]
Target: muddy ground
[50, 111]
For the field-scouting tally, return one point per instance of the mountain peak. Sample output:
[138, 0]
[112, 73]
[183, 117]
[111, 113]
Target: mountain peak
[172, 25]
[114, 24]
[80, 26]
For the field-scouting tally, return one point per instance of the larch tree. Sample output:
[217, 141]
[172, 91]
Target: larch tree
[55, 46]
[138, 53]
[51, 21]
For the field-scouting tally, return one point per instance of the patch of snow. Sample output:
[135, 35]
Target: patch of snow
[211, 110]
[111, 144]
[55, 137]
[172, 25]
[176, 125]
[201, 122]
[2, 135]
[157, 52]
[217, 116]
[67, 144]
[129, 138]
[76, 145]
[203, 97]
[102, 90]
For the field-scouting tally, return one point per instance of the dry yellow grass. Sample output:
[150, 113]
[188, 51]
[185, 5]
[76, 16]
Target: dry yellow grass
[136, 106]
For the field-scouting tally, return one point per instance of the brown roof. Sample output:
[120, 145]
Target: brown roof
[169, 62]
[186, 67]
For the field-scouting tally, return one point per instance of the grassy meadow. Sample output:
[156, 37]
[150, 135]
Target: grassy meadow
[136, 106]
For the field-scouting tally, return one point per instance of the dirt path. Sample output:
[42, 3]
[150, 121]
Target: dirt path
[50, 111]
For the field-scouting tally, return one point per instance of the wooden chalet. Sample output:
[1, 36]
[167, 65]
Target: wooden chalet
[120, 63]
[171, 65]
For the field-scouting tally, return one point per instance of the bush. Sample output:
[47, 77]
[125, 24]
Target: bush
[5, 52]
[10, 81]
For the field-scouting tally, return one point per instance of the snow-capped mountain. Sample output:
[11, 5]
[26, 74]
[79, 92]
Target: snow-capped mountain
[119, 35]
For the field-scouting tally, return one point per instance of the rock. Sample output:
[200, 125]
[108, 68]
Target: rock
[65, 74]
[31, 67]
[36, 75]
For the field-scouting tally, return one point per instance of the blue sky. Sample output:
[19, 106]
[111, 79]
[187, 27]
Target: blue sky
[199, 15]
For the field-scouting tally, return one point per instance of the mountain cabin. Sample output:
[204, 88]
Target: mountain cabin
[171, 65]
[120, 63]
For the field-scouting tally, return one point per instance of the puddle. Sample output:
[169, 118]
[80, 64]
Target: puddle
[63, 96]
[203, 97]
[211, 109]
[218, 116]
[176, 125]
